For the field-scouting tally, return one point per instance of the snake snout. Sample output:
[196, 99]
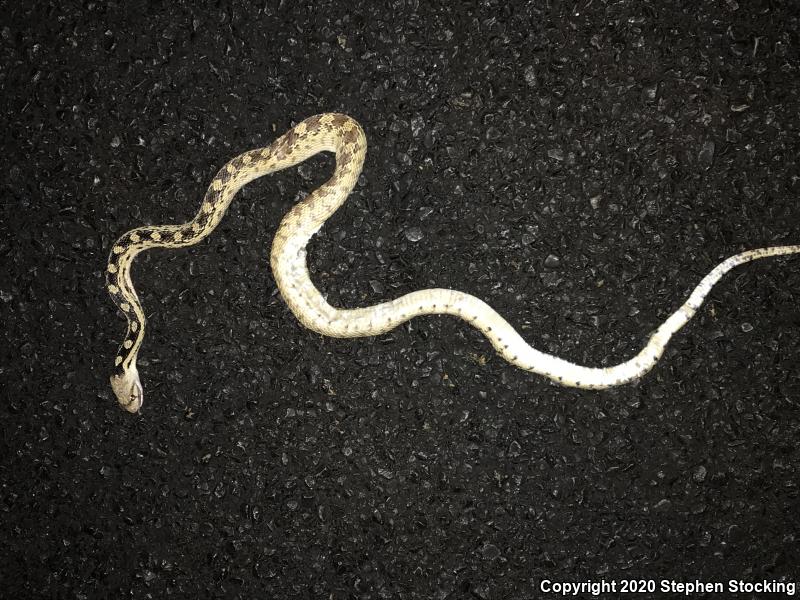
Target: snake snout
[134, 401]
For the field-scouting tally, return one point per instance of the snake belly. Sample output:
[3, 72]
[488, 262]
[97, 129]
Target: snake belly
[340, 134]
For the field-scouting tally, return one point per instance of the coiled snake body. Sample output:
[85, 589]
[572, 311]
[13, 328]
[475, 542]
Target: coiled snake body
[342, 135]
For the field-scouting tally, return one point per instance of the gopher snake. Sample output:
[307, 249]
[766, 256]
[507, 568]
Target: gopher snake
[342, 135]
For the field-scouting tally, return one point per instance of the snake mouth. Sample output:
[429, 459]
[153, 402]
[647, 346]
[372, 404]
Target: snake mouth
[133, 404]
[134, 398]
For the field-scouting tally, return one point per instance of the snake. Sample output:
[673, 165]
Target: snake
[343, 136]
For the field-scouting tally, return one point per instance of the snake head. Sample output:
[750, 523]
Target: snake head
[128, 389]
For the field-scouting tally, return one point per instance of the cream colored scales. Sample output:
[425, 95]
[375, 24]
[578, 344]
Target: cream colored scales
[342, 135]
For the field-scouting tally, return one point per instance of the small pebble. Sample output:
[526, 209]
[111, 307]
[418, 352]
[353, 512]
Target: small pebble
[530, 75]
[706, 156]
[552, 261]
[414, 234]
[699, 474]
[650, 92]
[493, 134]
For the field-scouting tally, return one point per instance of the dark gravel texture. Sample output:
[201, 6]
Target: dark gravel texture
[578, 166]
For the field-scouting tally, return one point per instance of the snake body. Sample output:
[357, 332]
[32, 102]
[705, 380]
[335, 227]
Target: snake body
[342, 135]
